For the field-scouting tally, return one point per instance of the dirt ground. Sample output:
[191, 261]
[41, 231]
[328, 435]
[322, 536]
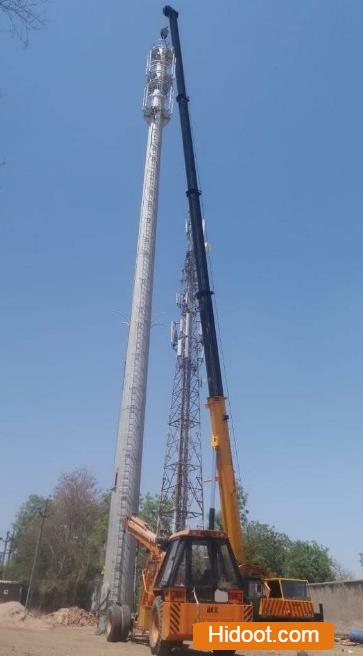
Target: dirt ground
[21, 640]
[28, 634]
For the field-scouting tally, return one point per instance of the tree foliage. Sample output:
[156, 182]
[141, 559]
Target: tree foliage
[149, 511]
[72, 544]
[242, 497]
[267, 547]
[309, 560]
[274, 552]
[25, 532]
[72, 550]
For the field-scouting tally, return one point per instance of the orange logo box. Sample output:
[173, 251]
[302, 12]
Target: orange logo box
[264, 636]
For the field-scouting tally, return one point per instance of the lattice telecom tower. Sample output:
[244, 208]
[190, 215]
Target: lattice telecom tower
[118, 578]
[182, 484]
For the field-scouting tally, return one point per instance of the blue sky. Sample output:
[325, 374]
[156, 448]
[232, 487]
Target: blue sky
[277, 106]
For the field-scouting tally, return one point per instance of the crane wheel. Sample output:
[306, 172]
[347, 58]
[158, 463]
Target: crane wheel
[125, 623]
[118, 623]
[158, 646]
[113, 626]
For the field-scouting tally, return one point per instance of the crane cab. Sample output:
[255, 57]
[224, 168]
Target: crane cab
[198, 580]
[200, 566]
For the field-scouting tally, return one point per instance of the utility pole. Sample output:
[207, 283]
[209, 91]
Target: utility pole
[44, 516]
[6, 541]
[11, 547]
[118, 577]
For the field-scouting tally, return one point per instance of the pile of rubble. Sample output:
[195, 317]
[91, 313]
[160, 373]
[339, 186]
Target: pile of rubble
[72, 616]
[12, 611]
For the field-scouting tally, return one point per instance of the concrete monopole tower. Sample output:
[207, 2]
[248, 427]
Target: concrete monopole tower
[118, 579]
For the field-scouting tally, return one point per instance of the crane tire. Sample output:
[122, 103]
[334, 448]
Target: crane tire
[114, 623]
[158, 646]
[224, 652]
[125, 623]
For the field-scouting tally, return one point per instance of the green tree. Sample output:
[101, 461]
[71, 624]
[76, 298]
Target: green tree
[266, 547]
[28, 511]
[149, 509]
[309, 560]
[74, 555]
[242, 498]
[69, 556]
[99, 531]
[25, 533]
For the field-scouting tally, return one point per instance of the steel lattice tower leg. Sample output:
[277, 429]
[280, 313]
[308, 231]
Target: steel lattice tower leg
[182, 484]
[118, 578]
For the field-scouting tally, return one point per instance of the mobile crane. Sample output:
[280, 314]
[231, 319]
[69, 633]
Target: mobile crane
[198, 575]
[277, 598]
[189, 577]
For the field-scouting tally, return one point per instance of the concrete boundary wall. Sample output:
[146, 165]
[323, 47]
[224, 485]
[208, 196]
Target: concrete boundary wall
[342, 601]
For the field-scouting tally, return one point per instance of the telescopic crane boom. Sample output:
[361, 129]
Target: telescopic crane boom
[286, 597]
[216, 403]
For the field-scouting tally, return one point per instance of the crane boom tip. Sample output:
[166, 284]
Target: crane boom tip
[169, 11]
